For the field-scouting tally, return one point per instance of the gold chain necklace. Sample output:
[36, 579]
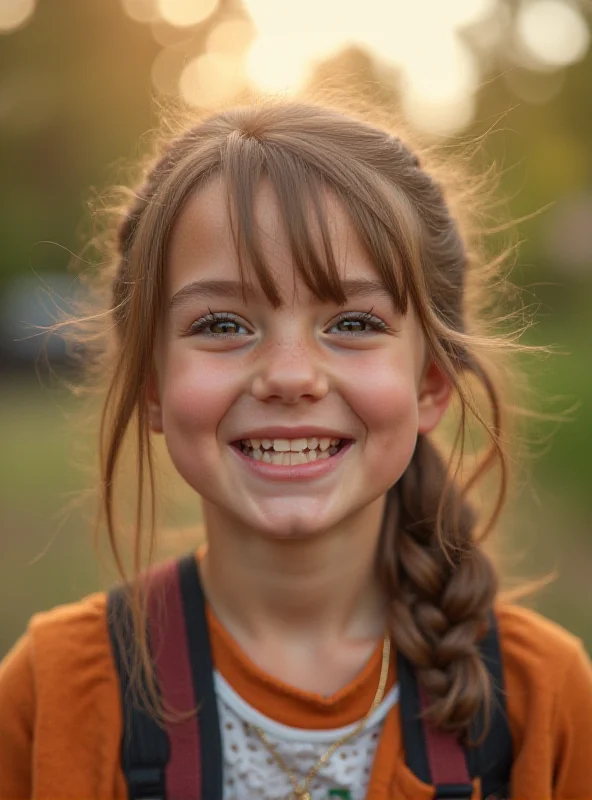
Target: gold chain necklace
[302, 791]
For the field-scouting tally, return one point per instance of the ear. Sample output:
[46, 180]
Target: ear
[434, 395]
[153, 403]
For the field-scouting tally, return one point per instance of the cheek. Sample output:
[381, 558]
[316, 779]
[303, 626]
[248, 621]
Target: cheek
[384, 397]
[197, 393]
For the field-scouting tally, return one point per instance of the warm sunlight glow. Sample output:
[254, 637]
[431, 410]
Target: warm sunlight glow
[439, 85]
[420, 44]
[290, 37]
[166, 70]
[445, 71]
[231, 36]
[439, 118]
[493, 32]
[184, 13]
[417, 38]
[277, 64]
[460, 13]
[553, 32]
[141, 10]
[210, 79]
[15, 13]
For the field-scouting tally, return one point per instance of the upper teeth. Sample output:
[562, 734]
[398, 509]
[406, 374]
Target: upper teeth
[291, 445]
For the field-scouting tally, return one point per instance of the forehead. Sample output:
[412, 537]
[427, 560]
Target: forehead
[203, 245]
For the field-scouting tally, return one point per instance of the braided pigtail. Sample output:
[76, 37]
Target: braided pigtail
[441, 586]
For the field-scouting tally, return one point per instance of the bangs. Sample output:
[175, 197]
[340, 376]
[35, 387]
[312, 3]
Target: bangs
[300, 189]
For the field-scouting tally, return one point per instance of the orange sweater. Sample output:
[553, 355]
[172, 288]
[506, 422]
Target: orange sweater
[60, 715]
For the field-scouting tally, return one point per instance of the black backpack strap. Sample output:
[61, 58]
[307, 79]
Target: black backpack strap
[200, 656]
[492, 761]
[189, 754]
[145, 746]
[416, 753]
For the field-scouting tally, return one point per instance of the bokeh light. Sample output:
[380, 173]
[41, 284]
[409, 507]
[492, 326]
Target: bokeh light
[461, 13]
[438, 89]
[166, 69]
[185, 13]
[15, 13]
[141, 10]
[230, 36]
[168, 35]
[290, 65]
[428, 48]
[553, 32]
[492, 31]
[418, 39]
[210, 79]
[534, 86]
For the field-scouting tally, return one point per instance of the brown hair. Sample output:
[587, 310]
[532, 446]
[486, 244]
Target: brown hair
[439, 581]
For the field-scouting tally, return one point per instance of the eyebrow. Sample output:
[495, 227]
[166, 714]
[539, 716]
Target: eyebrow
[198, 290]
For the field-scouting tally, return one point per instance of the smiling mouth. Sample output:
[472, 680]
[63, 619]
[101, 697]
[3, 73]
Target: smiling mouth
[290, 452]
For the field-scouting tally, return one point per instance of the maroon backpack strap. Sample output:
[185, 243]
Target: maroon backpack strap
[447, 761]
[170, 653]
[184, 759]
[434, 757]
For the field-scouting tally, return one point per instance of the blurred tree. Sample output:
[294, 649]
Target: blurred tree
[75, 96]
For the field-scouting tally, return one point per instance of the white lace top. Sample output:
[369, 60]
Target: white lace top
[251, 772]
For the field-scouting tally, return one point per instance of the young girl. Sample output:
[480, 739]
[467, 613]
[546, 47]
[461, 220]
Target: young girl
[294, 306]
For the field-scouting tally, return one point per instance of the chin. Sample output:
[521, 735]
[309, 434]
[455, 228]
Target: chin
[290, 528]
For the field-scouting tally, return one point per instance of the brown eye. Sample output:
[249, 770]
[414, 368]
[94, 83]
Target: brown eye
[222, 327]
[352, 325]
[218, 325]
[358, 323]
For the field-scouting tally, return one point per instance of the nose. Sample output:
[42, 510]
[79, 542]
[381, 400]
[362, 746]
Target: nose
[289, 371]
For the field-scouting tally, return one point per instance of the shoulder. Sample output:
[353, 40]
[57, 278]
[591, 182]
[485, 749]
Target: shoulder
[527, 634]
[548, 689]
[17, 721]
[58, 688]
[72, 640]
[63, 653]
[57, 635]
[547, 673]
[532, 644]
[64, 626]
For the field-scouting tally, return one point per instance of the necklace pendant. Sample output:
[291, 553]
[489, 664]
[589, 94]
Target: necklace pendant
[303, 795]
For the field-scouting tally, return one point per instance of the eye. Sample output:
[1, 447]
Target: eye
[359, 322]
[218, 325]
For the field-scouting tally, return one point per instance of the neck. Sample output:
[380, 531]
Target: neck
[321, 587]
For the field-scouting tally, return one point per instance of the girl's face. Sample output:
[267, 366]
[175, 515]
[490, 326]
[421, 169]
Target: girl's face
[344, 389]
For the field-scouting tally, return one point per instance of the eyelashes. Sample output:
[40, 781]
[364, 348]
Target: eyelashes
[228, 325]
[363, 318]
[222, 319]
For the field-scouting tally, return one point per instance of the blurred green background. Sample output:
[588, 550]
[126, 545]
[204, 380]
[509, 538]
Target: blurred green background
[80, 85]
